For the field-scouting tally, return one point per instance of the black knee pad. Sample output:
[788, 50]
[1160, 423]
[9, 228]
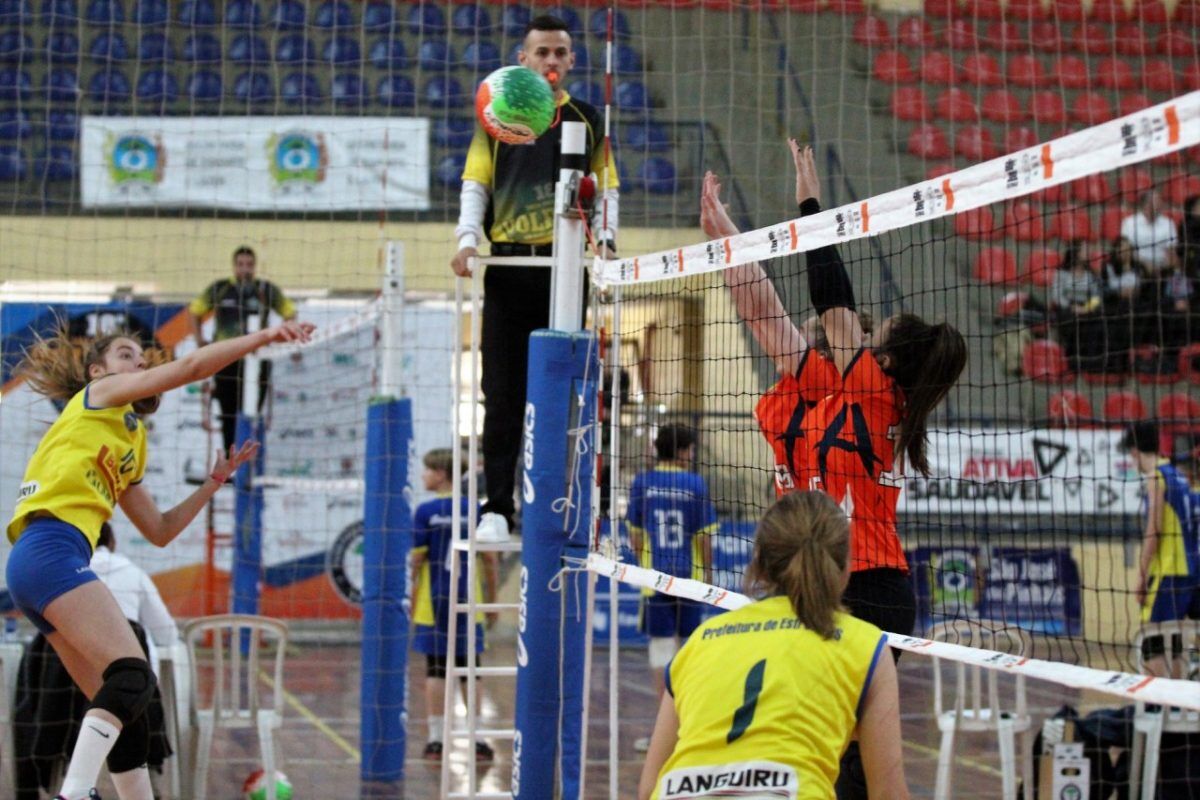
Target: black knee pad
[128, 687]
[132, 746]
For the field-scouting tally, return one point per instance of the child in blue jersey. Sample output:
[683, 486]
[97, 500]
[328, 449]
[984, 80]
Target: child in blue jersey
[671, 523]
[433, 535]
[1168, 586]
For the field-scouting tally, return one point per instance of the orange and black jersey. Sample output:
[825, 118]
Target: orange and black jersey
[780, 415]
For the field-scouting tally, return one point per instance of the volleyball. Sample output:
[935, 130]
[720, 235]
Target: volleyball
[255, 787]
[515, 105]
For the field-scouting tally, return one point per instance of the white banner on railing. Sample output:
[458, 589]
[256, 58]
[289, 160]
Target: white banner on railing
[256, 163]
[977, 472]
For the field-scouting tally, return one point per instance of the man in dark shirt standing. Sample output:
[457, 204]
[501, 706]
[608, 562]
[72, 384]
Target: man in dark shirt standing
[508, 193]
[234, 301]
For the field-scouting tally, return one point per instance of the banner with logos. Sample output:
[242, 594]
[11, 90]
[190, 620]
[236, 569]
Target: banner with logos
[256, 163]
[997, 472]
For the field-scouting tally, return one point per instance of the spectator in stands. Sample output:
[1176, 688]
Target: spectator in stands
[1152, 234]
[511, 189]
[1122, 278]
[1075, 297]
[234, 302]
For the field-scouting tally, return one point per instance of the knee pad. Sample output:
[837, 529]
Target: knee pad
[128, 686]
[132, 746]
[662, 650]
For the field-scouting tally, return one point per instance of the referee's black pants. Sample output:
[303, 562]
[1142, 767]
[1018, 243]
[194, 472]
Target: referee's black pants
[883, 597]
[227, 391]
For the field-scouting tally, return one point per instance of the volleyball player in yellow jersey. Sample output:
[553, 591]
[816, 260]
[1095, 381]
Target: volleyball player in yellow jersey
[762, 701]
[91, 459]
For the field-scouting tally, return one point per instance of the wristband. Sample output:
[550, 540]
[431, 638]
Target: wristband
[219, 481]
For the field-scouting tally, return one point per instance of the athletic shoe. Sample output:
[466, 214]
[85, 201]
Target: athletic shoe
[483, 752]
[492, 529]
[433, 751]
[92, 795]
[641, 745]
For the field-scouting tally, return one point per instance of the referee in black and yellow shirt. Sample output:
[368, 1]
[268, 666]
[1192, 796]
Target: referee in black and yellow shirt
[508, 194]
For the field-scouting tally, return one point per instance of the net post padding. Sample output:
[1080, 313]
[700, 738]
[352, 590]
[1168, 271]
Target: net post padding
[552, 627]
[246, 578]
[1128, 686]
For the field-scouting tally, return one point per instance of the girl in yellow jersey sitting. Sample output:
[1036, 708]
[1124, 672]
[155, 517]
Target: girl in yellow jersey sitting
[91, 459]
[762, 701]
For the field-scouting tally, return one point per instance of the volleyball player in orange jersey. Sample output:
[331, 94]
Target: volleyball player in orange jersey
[872, 416]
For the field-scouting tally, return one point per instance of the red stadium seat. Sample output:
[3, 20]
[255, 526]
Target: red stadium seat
[847, 8]
[1019, 139]
[1149, 367]
[1090, 190]
[984, 9]
[1011, 304]
[1090, 108]
[1176, 44]
[1179, 407]
[1180, 187]
[940, 170]
[1001, 105]
[995, 265]
[915, 32]
[1044, 361]
[1070, 224]
[937, 67]
[1047, 107]
[872, 31]
[909, 103]
[1023, 9]
[975, 143]
[1132, 182]
[960, 35]
[1041, 266]
[1131, 41]
[1026, 70]
[1110, 11]
[1005, 36]
[942, 8]
[1189, 363]
[1159, 75]
[1133, 103]
[928, 142]
[1093, 39]
[1068, 409]
[892, 66]
[1123, 407]
[982, 69]
[956, 105]
[1110, 222]
[1187, 14]
[975, 223]
[1067, 11]
[1045, 36]
[1023, 222]
[1115, 73]
[1051, 195]
[1070, 72]
[1191, 76]
[1150, 12]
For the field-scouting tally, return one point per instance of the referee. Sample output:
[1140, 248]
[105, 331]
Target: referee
[508, 194]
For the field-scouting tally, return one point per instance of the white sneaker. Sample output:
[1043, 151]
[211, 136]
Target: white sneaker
[642, 744]
[492, 529]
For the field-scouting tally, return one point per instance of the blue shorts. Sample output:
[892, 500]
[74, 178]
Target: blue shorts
[50, 558]
[664, 615]
[1172, 597]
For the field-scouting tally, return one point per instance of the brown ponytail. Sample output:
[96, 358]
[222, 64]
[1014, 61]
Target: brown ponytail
[58, 366]
[802, 550]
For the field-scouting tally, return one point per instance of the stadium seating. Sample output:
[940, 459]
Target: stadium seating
[657, 176]
[388, 54]
[342, 51]
[15, 84]
[514, 20]
[1179, 407]
[587, 91]
[253, 87]
[396, 91]
[443, 92]
[482, 56]
[1122, 407]
[12, 163]
[61, 84]
[1091, 190]
[15, 47]
[379, 17]
[975, 143]
[15, 124]
[909, 103]
[982, 69]
[1004, 35]
[1175, 43]
[56, 164]
[956, 105]
[453, 133]
[294, 49]
[1110, 11]
[1091, 108]
[975, 223]
[937, 67]
[334, 15]
[155, 48]
[929, 142]
[347, 89]
[1070, 224]
[61, 47]
[1189, 363]
[1001, 105]
[63, 126]
[1044, 361]
[204, 86]
[197, 14]
[1041, 266]
[288, 15]
[1025, 70]
[109, 86]
[1092, 39]
[583, 59]
[1046, 37]
[626, 59]
[996, 265]
[872, 31]
[150, 13]
[108, 48]
[1131, 41]
[1068, 409]
[470, 20]
[960, 35]
[598, 24]
[104, 13]
[644, 136]
[248, 48]
[157, 85]
[1020, 139]
[892, 66]
[60, 13]
[632, 96]
[1180, 187]
[433, 56]
[1115, 73]
[243, 14]
[572, 20]
[1149, 366]
[1110, 222]
[203, 48]
[448, 171]
[1023, 222]
[1151, 12]
[426, 19]
[1131, 103]
[1070, 72]
[915, 32]
[1132, 182]
[300, 89]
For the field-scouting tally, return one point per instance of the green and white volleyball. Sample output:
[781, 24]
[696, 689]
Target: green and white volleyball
[515, 105]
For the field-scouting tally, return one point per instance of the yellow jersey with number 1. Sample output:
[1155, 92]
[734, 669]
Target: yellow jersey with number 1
[766, 706]
[82, 466]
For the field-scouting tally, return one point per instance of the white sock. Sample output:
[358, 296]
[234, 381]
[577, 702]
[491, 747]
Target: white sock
[96, 738]
[435, 728]
[134, 784]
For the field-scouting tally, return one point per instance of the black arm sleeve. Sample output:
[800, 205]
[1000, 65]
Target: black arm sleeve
[828, 283]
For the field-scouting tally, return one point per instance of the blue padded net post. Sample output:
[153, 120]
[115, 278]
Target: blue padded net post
[247, 514]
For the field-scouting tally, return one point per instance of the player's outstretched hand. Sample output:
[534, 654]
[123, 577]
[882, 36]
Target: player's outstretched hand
[290, 332]
[228, 464]
[714, 217]
[807, 183]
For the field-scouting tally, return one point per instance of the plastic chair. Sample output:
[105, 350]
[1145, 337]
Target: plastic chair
[15, 124]
[453, 133]
[1048, 108]
[1070, 72]
[104, 13]
[481, 57]
[108, 47]
[197, 14]
[63, 13]
[938, 67]
[626, 59]
[1021, 138]
[346, 89]
[341, 51]
[645, 136]
[1179, 407]
[1175, 44]
[1123, 407]
[396, 91]
[928, 142]
[1151, 12]
[657, 176]
[1131, 41]
[62, 47]
[872, 31]
[202, 48]
[1093, 39]
[148, 13]
[12, 166]
[61, 84]
[204, 86]
[1026, 70]
[426, 19]
[977, 707]
[16, 47]
[1068, 409]
[448, 171]
[940, 9]
[960, 35]
[1091, 108]
[915, 32]
[288, 15]
[1129, 104]
[378, 16]
[1005, 36]
[57, 164]
[470, 20]
[632, 96]
[587, 91]
[975, 143]
[300, 89]
[1071, 223]
[294, 49]
[975, 223]
[1149, 726]
[598, 24]
[109, 86]
[909, 103]
[157, 85]
[253, 87]
[156, 48]
[1044, 361]
[956, 105]
[1115, 73]
[443, 92]
[433, 56]
[1091, 190]
[1111, 11]
[1189, 363]
[1045, 36]
[892, 66]
[982, 69]
[513, 21]
[1023, 222]
[243, 14]
[236, 700]
[388, 54]
[334, 14]
[246, 48]
[996, 265]
[1041, 266]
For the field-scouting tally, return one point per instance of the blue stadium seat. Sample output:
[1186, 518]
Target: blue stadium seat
[469, 20]
[204, 48]
[598, 23]
[157, 85]
[300, 89]
[197, 14]
[513, 20]
[571, 18]
[587, 91]
[514, 54]
[247, 48]
[453, 133]
[425, 19]
[204, 86]
[15, 84]
[443, 91]
[104, 12]
[156, 48]
[645, 136]
[15, 124]
[149, 13]
[63, 126]
[288, 15]
[334, 14]
[12, 163]
[56, 164]
[633, 97]
[626, 60]
[341, 50]
[109, 86]
[243, 14]
[397, 91]
[378, 16]
[59, 13]
[62, 47]
[583, 60]
[294, 49]
[449, 170]
[61, 84]
[253, 87]
[108, 47]
[434, 56]
[388, 54]
[346, 89]
[15, 47]
[481, 56]
[15, 12]
[657, 176]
